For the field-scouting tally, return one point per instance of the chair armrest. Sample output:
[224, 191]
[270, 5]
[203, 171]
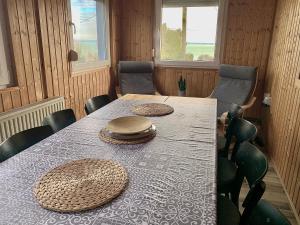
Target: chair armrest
[223, 118]
[118, 91]
[249, 104]
[157, 93]
[210, 96]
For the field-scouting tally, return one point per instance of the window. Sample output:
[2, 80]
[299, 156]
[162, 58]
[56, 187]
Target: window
[5, 67]
[188, 32]
[90, 33]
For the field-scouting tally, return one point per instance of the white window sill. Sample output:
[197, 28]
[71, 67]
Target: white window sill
[79, 68]
[186, 64]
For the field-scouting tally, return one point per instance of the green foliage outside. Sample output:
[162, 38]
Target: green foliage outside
[87, 50]
[172, 47]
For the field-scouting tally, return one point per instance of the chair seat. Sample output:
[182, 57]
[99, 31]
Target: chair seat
[227, 212]
[227, 171]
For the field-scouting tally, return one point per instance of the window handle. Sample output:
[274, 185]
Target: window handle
[73, 25]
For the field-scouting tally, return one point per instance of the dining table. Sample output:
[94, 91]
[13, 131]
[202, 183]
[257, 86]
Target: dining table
[171, 178]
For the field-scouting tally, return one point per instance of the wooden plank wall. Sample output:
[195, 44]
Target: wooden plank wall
[200, 82]
[247, 42]
[40, 45]
[26, 53]
[115, 34]
[283, 118]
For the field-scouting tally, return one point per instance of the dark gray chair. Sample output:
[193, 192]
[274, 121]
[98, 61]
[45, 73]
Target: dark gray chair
[96, 103]
[236, 85]
[60, 119]
[228, 213]
[266, 214]
[250, 163]
[23, 140]
[136, 77]
[235, 111]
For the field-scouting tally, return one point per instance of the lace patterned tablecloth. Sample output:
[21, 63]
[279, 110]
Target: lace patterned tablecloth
[172, 179]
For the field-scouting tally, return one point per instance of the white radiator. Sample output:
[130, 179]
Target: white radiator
[27, 117]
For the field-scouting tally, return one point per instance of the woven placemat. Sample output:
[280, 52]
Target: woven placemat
[152, 109]
[103, 135]
[81, 185]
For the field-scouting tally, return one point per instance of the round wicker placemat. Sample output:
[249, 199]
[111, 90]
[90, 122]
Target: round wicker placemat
[104, 136]
[81, 185]
[152, 109]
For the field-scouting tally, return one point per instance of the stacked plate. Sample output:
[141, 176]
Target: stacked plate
[130, 128]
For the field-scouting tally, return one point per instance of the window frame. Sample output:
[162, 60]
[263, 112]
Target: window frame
[6, 76]
[219, 49]
[78, 67]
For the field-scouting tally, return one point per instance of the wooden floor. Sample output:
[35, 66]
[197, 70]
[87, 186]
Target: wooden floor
[274, 194]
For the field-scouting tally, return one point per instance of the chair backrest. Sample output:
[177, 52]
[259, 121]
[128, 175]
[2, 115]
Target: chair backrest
[235, 111]
[252, 198]
[136, 77]
[252, 164]
[242, 130]
[236, 84]
[23, 140]
[60, 119]
[96, 103]
[266, 214]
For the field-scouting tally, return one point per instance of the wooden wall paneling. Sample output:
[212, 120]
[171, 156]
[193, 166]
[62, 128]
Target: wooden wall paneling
[52, 49]
[17, 49]
[294, 99]
[283, 121]
[137, 30]
[76, 95]
[1, 104]
[16, 97]
[7, 101]
[115, 29]
[45, 49]
[57, 46]
[26, 50]
[64, 39]
[34, 48]
[284, 132]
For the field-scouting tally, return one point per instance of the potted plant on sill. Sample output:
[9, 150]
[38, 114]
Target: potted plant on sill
[182, 87]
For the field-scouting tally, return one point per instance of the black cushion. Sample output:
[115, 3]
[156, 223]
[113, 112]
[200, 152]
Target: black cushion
[136, 67]
[136, 77]
[235, 86]
[96, 103]
[60, 119]
[23, 140]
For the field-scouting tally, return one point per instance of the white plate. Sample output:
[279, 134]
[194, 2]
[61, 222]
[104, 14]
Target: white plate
[143, 134]
[129, 125]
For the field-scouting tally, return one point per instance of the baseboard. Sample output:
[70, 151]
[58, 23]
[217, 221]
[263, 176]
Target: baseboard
[286, 193]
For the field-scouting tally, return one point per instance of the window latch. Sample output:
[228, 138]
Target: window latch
[73, 25]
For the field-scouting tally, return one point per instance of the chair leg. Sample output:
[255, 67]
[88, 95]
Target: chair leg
[235, 199]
